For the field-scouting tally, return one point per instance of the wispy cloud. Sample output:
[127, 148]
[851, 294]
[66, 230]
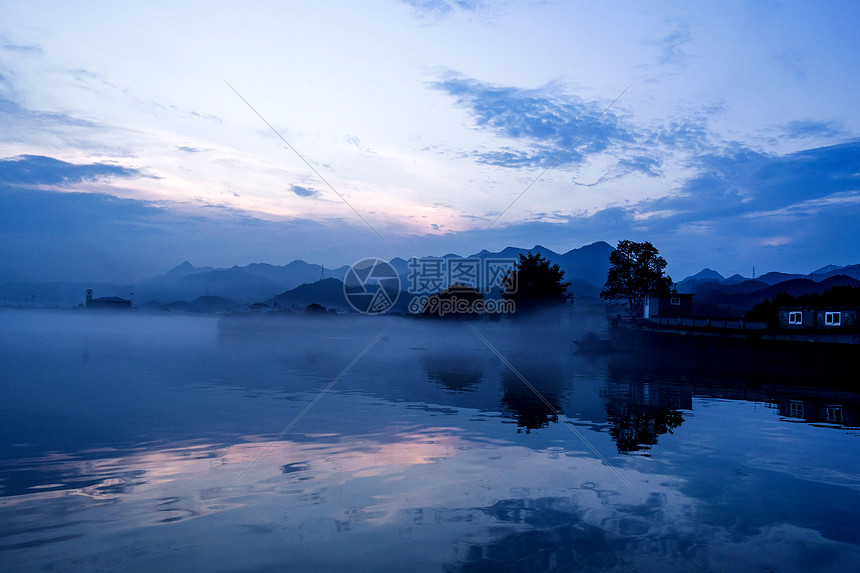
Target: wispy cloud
[672, 45]
[31, 170]
[799, 129]
[741, 182]
[304, 191]
[539, 123]
[812, 206]
[436, 10]
[6, 45]
[62, 235]
[793, 62]
[778, 241]
[648, 165]
[690, 134]
[20, 121]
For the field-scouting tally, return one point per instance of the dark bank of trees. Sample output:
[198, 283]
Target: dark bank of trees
[535, 284]
[532, 284]
[636, 271]
[837, 297]
[456, 301]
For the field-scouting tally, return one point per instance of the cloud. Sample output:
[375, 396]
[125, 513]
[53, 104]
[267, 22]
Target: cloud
[778, 241]
[23, 127]
[10, 46]
[812, 206]
[690, 134]
[304, 191]
[793, 62]
[436, 10]
[33, 118]
[736, 208]
[808, 128]
[740, 181]
[806, 202]
[541, 122]
[648, 165]
[60, 235]
[672, 45]
[31, 170]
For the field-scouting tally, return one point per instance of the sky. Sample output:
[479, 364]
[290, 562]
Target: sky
[137, 136]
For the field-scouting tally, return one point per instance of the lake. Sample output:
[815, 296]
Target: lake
[160, 442]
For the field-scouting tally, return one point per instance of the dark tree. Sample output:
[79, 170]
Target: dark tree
[533, 284]
[456, 301]
[315, 309]
[636, 271]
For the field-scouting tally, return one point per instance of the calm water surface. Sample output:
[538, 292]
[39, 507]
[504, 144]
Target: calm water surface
[169, 443]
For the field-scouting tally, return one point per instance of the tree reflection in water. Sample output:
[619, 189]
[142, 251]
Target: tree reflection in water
[637, 428]
[531, 411]
[455, 371]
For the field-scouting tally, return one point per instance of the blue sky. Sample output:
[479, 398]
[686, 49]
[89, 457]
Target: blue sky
[408, 127]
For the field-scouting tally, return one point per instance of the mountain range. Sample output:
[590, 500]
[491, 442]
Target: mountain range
[207, 289]
[716, 295]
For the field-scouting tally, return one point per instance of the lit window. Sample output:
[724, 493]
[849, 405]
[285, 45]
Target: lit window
[795, 318]
[832, 318]
[795, 409]
[834, 413]
[676, 300]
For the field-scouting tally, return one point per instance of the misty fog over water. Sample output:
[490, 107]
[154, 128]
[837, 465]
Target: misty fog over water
[139, 442]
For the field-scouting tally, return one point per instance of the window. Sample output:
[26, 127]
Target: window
[832, 318]
[795, 409]
[675, 300]
[795, 318]
[834, 413]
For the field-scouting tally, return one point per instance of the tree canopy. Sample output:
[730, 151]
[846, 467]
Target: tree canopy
[635, 271]
[534, 283]
[456, 301]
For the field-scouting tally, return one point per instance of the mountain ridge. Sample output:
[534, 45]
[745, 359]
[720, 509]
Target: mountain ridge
[585, 267]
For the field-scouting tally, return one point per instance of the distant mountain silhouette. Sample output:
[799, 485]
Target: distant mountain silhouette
[703, 277]
[708, 275]
[796, 287]
[735, 300]
[299, 283]
[774, 277]
[852, 271]
[589, 263]
[235, 283]
[699, 279]
[327, 292]
[825, 269]
[186, 269]
[295, 273]
[585, 267]
[253, 282]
